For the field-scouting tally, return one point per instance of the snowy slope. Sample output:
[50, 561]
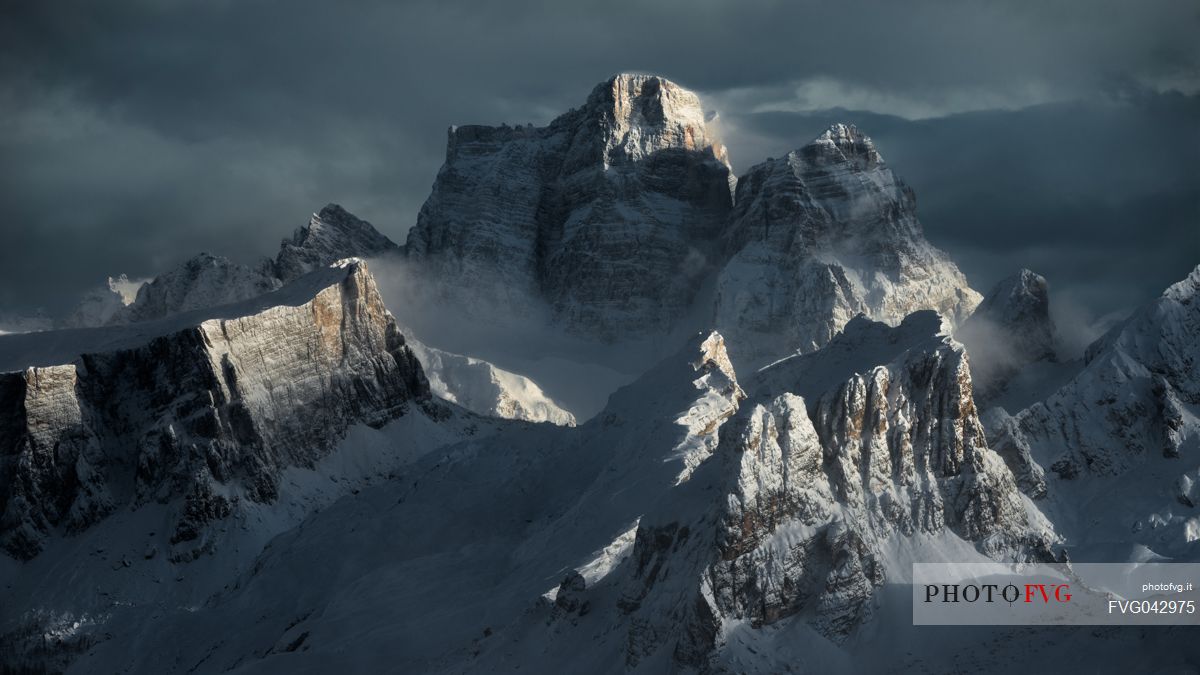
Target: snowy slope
[1118, 443]
[618, 544]
[117, 576]
[472, 533]
[485, 389]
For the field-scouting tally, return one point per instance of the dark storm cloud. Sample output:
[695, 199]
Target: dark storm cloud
[134, 134]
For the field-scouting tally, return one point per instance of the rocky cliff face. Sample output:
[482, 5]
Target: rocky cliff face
[692, 506]
[207, 281]
[833, 458]
[201, 411]
[903, 417]
[606, 214]
[820, 235]
[618, 213]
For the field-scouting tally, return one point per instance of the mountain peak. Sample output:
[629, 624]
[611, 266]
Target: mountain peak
[643, 114]
[848, 142]
[207, 280]
[329, 236]
[1027, 281]
[1009, 330]
[609, 213]
[1183, 291]
[640, 88]
[841, 132]
[1022, 299]
[333, 218]
[844, 228]
[334, 212]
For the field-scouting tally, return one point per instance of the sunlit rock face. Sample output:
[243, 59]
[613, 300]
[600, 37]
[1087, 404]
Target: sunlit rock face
[820, 235]
[607, 214]
[832, 458]
[200, 411]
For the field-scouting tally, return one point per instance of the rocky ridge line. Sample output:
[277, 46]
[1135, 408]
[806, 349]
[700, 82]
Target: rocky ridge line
[203, 411]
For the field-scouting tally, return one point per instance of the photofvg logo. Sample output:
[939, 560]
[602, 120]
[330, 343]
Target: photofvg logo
[1055, 594]
[1009, 593]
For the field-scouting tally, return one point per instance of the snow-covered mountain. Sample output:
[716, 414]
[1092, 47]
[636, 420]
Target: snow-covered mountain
[201, 410]
[200, 282]
[608, 214]
[208, 281]
[1020, 306]
[618, 218]
[690, 507]
[833, 462]
[820, 235]
[332, 234]
[1014, 345]
[260, 469]
[1114, 449]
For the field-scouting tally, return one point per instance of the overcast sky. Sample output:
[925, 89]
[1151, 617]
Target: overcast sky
[1062, 136]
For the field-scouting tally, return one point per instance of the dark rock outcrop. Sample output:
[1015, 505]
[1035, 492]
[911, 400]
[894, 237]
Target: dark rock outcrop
[204, 409]
[607, 214]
